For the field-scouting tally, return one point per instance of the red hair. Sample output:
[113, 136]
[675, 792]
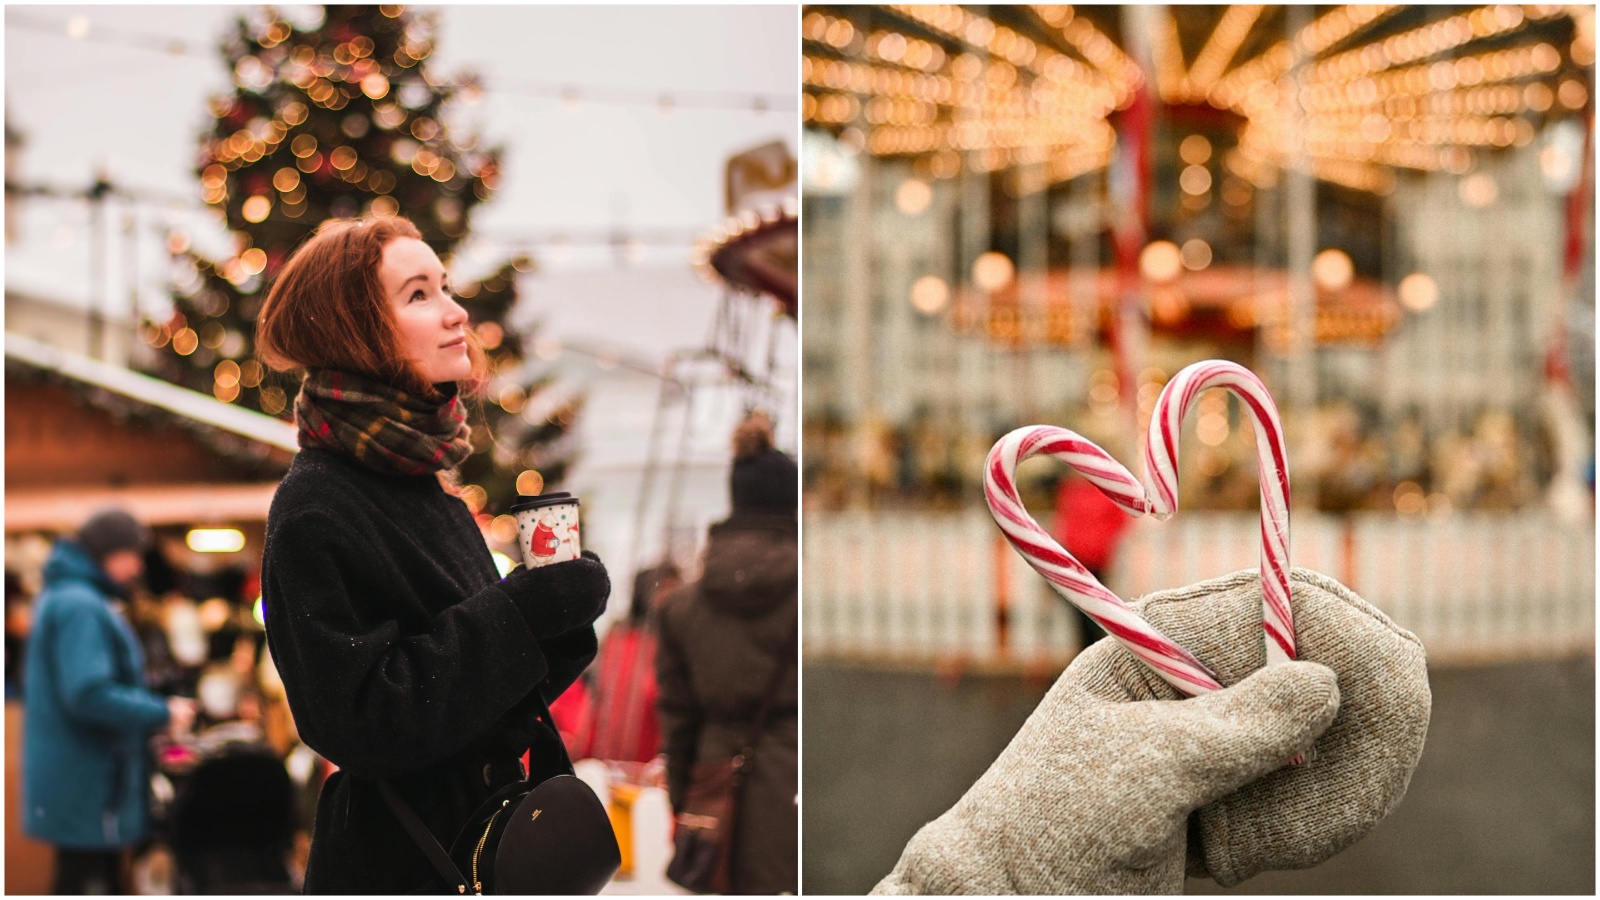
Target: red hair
[327, 310]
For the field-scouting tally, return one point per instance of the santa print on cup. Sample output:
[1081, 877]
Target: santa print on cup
[1157, 495]
[547, 527]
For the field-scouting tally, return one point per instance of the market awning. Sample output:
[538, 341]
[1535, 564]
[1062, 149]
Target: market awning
[64, 509]
[192, 405]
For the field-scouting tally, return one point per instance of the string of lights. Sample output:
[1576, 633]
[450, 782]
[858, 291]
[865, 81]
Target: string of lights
[1219, 49]
[571, 96]
[550, 242]
[1421, 96]
[918, 99]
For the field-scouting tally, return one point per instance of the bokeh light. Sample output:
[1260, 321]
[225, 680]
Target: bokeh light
[1196, 254]
[913, 196]
[1332, 269]
[929, 294]
[992, 271]
[530, 483]
[1418, 292]
[1161, 261]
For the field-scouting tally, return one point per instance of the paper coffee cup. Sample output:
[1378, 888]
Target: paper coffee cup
[547, 528]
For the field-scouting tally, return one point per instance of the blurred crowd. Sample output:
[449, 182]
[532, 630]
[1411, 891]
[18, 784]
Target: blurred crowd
[170, 674]
[1348, 455]
[230, 788]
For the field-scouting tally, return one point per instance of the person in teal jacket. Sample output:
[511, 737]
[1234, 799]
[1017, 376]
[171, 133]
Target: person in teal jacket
[87, 712]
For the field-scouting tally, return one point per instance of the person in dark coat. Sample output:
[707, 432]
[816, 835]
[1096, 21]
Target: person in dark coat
[87, 711]
[721, 639]
[404, 656]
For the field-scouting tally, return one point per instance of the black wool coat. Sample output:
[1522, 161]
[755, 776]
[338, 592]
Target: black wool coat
[721, 638]
[401, 659]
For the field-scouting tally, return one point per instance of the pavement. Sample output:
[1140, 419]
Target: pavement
[1502, 801]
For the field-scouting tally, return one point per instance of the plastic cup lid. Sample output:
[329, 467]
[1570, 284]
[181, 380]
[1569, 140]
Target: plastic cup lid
[554, 498]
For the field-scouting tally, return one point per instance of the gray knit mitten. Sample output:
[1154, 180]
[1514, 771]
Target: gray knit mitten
[1297, 817]
[1100, 790]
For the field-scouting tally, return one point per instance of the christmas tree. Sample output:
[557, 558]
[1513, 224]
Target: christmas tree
[337, 114]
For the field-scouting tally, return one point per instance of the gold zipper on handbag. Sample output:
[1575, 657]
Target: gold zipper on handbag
[477, 886]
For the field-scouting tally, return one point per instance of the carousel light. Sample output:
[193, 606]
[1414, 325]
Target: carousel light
[839, 34]
[1195, 150]
[1212, 428]
[1332, 269]
[1160, 261]
[1195, 179]
[1418, 292]
[1572, 94]
[913, 196]
[992, 271]
[1196, 254]
[1538, 96]
[1219, 49]
[929, 294]
[1171, 78]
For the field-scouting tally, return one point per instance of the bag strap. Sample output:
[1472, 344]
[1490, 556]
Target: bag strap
[423, 838]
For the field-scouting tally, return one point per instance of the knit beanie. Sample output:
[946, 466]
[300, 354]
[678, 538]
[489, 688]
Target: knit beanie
[764, 478]
[111, 530]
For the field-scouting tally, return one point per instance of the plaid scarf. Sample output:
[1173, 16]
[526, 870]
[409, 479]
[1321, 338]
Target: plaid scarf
[380, 425]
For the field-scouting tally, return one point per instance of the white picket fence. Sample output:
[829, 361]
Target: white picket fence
[908, 586]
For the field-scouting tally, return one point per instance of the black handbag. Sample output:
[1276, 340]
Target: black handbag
[703, 836]
[549, 837]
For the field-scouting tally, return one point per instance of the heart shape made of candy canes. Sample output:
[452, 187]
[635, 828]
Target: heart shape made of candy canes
[1156, 495]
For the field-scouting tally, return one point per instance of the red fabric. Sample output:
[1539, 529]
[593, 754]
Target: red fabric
[1578, 203]
[1088, 524]
[625, 723]
[573, 715]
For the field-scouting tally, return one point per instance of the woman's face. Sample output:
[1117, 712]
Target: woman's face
[432, 324]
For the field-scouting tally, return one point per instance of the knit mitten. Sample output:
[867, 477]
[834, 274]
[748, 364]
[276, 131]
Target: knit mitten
[1357, 772]
[560, 597]
[1113, 774]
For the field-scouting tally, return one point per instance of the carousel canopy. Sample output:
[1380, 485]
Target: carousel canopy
[1370, 89]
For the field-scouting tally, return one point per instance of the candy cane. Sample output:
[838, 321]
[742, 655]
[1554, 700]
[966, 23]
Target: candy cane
[1065, 574]
[1161, 480]
[1157, 495]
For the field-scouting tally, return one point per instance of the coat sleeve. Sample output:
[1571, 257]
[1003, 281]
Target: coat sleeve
[374, 701]
[679, 710]
[83, 657]
[567, 656]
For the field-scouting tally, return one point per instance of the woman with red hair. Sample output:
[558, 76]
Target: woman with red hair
[404, 656]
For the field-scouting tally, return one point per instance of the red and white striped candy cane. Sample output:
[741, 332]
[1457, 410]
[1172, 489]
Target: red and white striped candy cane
[1161, 480]
[1065, 574]
[1157, 495]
